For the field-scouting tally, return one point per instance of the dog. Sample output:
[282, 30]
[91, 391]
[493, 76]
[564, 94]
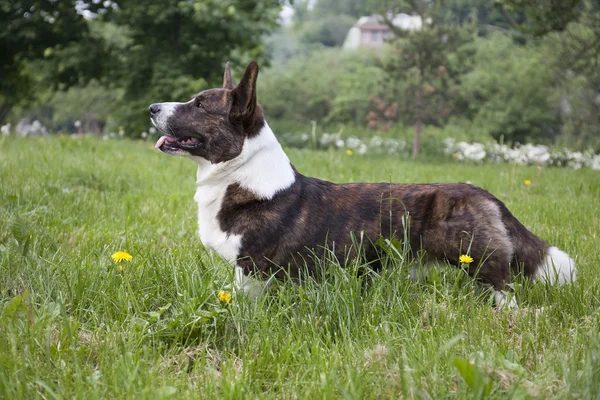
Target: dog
[268, 220]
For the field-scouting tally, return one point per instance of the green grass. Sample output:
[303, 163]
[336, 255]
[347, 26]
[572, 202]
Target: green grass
[72, 325]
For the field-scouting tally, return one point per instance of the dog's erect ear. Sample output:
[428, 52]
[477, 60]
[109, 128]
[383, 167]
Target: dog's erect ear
[244, 95]
[227, 79]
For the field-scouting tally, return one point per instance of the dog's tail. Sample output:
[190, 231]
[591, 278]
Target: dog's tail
[538, 259]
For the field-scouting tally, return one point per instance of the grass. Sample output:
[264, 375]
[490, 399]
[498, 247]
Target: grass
[73, 325]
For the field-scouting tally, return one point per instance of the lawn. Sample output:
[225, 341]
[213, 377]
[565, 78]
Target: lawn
[75, 324]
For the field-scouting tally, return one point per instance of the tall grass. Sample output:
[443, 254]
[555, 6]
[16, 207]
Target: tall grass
[74, 325]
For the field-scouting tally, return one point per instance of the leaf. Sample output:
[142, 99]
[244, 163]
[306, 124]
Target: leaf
[477, 380]
[466, 370]
[434, 278]
[16, 306]
[19, 229]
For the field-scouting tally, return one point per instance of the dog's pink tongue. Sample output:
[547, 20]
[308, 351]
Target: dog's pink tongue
[162, 140]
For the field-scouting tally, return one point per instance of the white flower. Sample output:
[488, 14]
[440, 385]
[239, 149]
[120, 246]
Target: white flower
[152, 130]
[5, 129]
[24, 128]
[353, 143]
[77, 124]
[537, 153]
[144, 135]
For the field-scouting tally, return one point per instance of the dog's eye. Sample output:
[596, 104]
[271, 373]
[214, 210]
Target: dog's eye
[199, 104]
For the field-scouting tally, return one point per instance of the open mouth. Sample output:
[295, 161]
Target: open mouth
[171, 143]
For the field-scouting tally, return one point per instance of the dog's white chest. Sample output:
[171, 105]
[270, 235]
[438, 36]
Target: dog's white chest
[209, 199]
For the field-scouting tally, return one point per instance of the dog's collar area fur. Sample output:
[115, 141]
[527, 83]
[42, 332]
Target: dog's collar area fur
[262, 167]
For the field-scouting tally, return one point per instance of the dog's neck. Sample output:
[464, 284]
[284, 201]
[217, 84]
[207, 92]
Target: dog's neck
[262, 167]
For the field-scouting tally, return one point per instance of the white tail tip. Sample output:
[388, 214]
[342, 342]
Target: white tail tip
[557, 267]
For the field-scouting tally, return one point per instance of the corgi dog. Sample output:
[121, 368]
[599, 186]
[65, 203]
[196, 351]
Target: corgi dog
[268, 220]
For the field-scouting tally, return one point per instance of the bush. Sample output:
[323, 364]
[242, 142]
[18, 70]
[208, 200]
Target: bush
[510, 93]
[327, 85]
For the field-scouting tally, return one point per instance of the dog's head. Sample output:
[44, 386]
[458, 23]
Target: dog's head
[215, 123]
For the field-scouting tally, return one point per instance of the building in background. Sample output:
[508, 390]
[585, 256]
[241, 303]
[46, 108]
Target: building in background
[372, 31]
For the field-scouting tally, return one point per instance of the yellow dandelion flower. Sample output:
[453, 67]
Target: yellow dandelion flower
[527, 182]
[121, 128]
[120, 256]
[121, 268]
[349, 152]
[465, 259]
[224, 296]
[455, 155]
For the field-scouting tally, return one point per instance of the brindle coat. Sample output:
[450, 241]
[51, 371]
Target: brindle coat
[444, 221]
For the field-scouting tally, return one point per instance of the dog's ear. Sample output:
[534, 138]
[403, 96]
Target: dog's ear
[227, 78]
[244, 95]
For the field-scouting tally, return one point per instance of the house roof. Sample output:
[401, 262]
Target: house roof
[402, 21]
[373, 26]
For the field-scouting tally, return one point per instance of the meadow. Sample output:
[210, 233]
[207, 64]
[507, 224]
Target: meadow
[75, 324]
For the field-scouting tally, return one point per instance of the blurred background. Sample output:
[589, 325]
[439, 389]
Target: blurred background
[513, 71]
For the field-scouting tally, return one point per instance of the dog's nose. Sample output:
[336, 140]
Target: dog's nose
[154, 108]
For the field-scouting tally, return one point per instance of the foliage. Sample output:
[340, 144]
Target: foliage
[328, 30]
[309, 9]
[44, 43]
[300, 90]
[425, 65]
[575, 55]
[509, 93]
[175, 49]
[73, 325]
[534, 77]
[543, 17]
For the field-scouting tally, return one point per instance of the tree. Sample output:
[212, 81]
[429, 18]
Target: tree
[510, 93]
[542, 17]
[425, 64]
[328, 30]
[570, 38]
[173, 49]
[43, 40]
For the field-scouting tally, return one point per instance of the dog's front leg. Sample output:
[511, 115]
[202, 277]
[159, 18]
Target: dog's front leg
[251, 287]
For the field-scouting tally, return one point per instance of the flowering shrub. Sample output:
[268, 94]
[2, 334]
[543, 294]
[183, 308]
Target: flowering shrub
[373, 145]
[25, 128]
[527, 154]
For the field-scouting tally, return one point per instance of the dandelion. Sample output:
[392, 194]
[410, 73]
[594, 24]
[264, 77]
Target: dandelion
[454, 155]
[465, 259]
[349, 152]
[527, 182]
[120, 256]
[223, 296]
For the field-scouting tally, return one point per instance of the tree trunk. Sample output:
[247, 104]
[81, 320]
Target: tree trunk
[418, 122]
[4, 110]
